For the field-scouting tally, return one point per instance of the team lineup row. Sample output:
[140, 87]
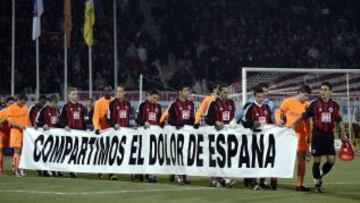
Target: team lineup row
[217, 109]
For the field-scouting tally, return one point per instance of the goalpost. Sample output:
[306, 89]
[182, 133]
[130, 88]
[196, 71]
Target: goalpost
[284, 82]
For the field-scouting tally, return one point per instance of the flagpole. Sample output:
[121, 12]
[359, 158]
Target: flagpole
[90, 73]
[13, 50]
[140, 88]
[115, 46]
[37, 69]
[65, 68]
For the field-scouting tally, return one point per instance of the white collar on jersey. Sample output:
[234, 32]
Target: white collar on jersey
[257, 104]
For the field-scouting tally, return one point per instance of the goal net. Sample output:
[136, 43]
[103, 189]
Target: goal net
[284, 82]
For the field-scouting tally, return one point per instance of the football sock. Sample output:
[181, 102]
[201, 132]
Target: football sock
[16, 161]
[300, 172]
[1, 162]
[326, 168]
[316, 171]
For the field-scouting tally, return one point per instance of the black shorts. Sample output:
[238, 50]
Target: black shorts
[322, 143]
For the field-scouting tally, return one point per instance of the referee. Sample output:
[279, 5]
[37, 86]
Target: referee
[325, 114]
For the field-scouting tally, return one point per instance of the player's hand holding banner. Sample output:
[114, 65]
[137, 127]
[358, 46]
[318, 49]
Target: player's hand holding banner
[231, 152]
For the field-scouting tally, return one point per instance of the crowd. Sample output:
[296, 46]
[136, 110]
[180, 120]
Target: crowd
[200, 40]
[218, 37]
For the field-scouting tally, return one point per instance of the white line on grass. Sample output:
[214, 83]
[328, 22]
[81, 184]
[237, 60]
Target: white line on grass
[343, 183]
[179, 188]
[106, 192]
[24, 184]
[331, 183]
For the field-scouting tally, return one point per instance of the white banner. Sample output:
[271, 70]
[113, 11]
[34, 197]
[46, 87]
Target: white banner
[199, 152]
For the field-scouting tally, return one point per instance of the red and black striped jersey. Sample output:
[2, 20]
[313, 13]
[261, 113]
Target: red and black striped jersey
[323, 114]
[148, 112]
[258, 112]
[34, 110]
[73, 116]
[181, 113]
[119, 113]
[220, 110]
[49, 116]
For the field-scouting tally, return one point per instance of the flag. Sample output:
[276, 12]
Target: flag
[37, 12]
[89, 22]
[67, 21]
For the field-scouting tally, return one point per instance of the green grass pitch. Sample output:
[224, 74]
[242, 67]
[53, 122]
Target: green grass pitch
[342, 185]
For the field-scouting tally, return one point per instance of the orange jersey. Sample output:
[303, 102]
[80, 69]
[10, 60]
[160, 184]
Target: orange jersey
[4, 126]
[4, 129]
[100, 109]
[19, 116]
[292, 108]
[204, 107]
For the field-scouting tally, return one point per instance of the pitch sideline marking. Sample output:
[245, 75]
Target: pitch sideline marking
[105, 192]
[140, 190]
